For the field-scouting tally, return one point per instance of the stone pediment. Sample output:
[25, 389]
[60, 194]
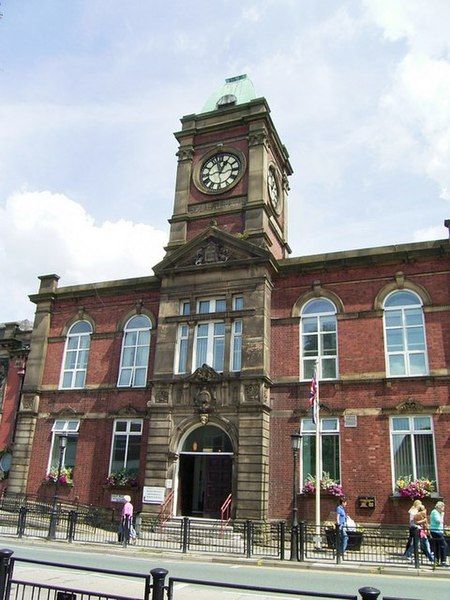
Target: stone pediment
[211, 248]
[204, 374]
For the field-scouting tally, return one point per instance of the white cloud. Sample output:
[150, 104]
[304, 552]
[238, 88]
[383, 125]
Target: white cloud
[43, 232]
[416, 104]
[430, 233]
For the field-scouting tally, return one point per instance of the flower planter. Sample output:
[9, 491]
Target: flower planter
[355, 539]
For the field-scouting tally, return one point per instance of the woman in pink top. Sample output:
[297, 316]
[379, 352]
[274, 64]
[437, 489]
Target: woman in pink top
[127, 519]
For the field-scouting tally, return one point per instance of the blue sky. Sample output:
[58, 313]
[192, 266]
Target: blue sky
[92, 90]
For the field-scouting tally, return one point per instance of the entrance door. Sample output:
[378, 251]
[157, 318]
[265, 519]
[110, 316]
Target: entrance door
[205, 472]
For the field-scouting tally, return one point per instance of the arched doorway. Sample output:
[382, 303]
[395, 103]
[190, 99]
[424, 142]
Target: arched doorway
[205, 472]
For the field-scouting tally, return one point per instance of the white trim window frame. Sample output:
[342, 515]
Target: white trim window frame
[330, 444]
[126, 446]
[405, 344]
[209, 345]
[135, 352]
[236, 346]
[319, 340]
[413, 449]
[207, 306]
[76, 356]
[63, 428]
[182, 349]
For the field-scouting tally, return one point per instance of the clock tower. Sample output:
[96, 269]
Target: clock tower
[233, 171]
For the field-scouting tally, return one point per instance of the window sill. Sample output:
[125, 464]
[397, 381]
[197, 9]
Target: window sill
[434, 496]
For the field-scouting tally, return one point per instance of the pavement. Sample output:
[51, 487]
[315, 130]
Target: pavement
[133, 588]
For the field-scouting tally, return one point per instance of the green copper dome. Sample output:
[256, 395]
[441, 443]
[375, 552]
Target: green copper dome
[237, 90]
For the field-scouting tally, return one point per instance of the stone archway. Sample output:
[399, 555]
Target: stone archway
[205, 472]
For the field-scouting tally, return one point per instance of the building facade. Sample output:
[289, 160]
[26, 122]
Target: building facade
[186, 385]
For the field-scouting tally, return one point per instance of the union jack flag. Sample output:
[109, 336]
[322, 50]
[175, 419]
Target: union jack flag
[313, 396]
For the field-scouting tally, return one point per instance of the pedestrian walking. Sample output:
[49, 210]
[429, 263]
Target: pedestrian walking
[421, 519]
[126, 522]
[413, 528]
[437, 534]
[341, 520]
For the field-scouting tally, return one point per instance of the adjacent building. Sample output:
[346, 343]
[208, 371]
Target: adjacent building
[185, 386]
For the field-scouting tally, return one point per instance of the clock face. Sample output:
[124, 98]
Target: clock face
[272, 185]
[220, 171]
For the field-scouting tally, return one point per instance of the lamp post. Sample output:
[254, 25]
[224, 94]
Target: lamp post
[296, 440]
[54, 513]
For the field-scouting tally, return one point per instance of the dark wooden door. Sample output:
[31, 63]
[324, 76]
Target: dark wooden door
[217, 484]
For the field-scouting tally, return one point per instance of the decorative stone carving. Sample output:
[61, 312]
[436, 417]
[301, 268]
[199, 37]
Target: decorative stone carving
[67, 411]
[409, 406]
[204, 374]
[3, 370]
[29, 403]
[211, 253]
[185, 153]
[203, 401]
[128, 410]
[162, 395]
[252, 392]
[81, 312]
[212, 206]
[400, 279]
[139, 305]
[258, 138]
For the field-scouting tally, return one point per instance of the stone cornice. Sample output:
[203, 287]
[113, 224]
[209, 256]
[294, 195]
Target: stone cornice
[365, 256]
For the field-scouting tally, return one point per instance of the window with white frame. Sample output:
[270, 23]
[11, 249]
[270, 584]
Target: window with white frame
[319, 339]
[236, 345]
[185, 307]
[412, 445]
[404, 328]
[211, 305]
[76, 356]
[209, 345]
[135, 352]
[68, 429]
[329, 448]
[126, 446]
[181, 354]
[238, 302]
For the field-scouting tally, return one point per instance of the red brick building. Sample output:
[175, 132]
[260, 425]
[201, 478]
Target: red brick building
[186, 385]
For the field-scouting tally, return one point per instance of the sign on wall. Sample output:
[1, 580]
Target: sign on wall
[366, 501]
[153, 494]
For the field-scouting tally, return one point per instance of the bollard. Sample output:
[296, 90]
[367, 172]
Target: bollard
[302, 541]
[282, 525]
[158, 585]
[185, 534]
[22, 521]
[369, 593]
[5, 561]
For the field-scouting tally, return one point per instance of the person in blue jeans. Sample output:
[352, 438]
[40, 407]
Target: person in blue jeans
[341, 520]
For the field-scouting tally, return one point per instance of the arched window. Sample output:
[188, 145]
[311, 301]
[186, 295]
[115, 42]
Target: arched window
[76, 355]
[319, 339]
[135, 352]
[404, 331]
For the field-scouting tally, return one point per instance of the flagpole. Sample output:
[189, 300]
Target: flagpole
[318, 470]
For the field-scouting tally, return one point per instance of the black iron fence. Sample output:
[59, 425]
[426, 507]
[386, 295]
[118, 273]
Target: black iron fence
[372, 544]
[153, 586]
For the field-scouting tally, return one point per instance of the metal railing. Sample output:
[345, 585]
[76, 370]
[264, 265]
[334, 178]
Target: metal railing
[154, 586]
[374, 544]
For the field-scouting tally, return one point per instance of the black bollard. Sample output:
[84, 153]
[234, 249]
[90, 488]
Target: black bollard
[369, 593]
[5, 559]
[159, 577]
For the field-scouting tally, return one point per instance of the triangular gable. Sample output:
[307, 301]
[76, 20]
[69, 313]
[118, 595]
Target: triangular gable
[213, 247]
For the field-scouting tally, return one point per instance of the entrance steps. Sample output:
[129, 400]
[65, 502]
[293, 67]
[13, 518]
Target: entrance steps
[204, 533]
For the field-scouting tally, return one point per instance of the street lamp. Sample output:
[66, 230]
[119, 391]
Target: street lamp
[296, 440]
[54, 513]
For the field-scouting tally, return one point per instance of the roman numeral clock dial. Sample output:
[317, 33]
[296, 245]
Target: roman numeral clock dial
[220, 171]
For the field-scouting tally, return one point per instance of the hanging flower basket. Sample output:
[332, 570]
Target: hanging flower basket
[327, 486]
[415, 489]
[122, 478]
[65, 477]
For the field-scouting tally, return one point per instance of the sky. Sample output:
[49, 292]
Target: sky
[91, 92]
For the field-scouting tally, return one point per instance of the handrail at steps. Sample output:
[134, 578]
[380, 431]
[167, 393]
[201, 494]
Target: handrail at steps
[166, 509]
[225, 513]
